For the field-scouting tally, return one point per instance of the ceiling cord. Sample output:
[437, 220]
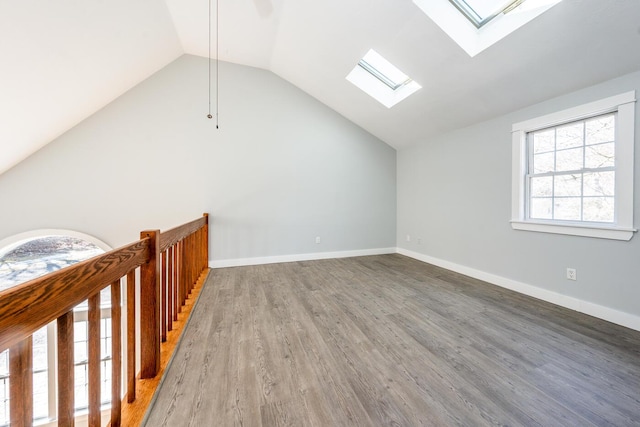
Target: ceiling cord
[217, 60]
[209, 116]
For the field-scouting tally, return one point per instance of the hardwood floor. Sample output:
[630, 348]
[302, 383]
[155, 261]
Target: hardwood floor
[390, 341]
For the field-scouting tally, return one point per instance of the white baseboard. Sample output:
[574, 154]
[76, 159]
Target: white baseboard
[595, 310]
[297, 257]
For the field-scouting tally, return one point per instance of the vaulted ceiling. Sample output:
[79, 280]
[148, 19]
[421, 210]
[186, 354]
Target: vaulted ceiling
[62, 60]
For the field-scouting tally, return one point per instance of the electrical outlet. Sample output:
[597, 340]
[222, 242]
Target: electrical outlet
[408, 237]
[572, 274]
[317, 240]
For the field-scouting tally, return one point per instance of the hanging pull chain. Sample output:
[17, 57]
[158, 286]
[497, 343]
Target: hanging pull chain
[217, 59]
[209, 116]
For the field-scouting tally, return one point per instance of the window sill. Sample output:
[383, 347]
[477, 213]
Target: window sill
[617, 233]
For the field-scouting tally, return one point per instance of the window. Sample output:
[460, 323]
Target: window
[383, 70]
[480, 12]
[382, 80]
[573, 170]
[30, 255]
[477, 24]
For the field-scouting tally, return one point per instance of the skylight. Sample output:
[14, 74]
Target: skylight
[477, 24]
[480, 12]
[382, 80]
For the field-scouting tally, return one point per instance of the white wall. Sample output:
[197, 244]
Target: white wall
[454, 193]
[281, 170]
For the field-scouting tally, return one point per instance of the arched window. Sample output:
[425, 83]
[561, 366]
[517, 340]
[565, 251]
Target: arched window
[30, 255]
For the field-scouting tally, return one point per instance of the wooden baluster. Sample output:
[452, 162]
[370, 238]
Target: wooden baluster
[196, 257]
[187, 269]
[185, 261]
[165, 296]
[131, 336]
[205, 248]
[66, 371]
[170, 289]
[94, 360]
[187, 251]
[116, 355]
[176, 281]
[198, 254]
[192, 239]
[181, 275]
[21, 383]
[150, 308]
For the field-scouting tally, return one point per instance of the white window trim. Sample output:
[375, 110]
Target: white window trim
[624, 105]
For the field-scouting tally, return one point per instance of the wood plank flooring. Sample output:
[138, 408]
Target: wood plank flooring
[390, 341]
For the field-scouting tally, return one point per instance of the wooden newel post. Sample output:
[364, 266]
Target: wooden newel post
[205, 244]
[150, 308]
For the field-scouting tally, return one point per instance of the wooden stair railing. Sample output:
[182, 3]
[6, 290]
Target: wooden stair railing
[170, 264]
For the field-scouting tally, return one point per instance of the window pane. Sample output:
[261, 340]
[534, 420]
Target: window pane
[40, 395]
[544, 141]
[567, 208]
[543, 163]
[4, 387]
[600, 209]
[80, 342]
[40, 349]
[81, 389]
[541, 186]
[601, 129]
[600, 184]
[541, 208]
[600, 156]
[569, 136]
[79, 331]
[105, 395]
[568, 185]
[4, 363]
[105, 297]
[105, 338]
[569, 160]
[80, 351]
[4, 401]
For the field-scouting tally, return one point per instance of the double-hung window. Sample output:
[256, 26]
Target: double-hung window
[573, 170]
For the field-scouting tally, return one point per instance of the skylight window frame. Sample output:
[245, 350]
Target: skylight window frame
[469, 12]
[372, 75]
[474, 40]
[393, 85]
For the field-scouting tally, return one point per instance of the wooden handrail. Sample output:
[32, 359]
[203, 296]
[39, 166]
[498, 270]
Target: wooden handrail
[174, 235]
[170, 264]
[27, 307]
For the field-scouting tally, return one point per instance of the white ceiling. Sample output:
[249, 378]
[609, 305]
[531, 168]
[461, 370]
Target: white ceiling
[62, 60]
